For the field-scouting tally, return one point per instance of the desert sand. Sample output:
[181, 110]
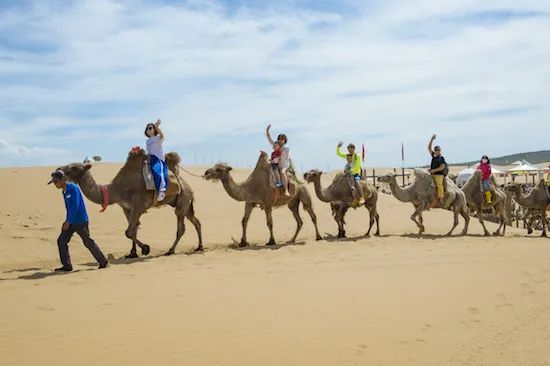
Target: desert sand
[390, 300]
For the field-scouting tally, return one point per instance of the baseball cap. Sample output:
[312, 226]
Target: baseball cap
[57, 175]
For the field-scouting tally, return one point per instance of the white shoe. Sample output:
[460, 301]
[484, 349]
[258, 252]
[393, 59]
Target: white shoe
[161, 196]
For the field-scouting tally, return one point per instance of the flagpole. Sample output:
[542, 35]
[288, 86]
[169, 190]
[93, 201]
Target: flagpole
[403, 161]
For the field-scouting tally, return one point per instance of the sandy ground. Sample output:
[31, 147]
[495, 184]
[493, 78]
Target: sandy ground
[390, 300]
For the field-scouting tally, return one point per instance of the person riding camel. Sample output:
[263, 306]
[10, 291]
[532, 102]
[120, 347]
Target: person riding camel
[438, 170]
[485, 168]
[284, 160]
[352, 171]
[155, 138]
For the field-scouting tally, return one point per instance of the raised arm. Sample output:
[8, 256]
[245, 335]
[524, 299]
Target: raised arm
[268, 135]
[430, 150]
[157, 125]
[338, 152]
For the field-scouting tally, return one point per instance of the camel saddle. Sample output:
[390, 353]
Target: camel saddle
[172, 186]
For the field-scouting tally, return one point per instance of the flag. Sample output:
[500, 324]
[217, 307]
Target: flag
[363, 153]
[402, 151]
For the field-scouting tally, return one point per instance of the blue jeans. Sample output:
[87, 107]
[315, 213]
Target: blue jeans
[160, 172]
[486, 185]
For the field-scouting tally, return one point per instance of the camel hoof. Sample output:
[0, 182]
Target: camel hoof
[367, 235]
[319, 238]
[199, 249]
[243, 244]
[131, 255]
[487, 234]
[496, 234]
[543, 235]
[291, 242]
[271, 242]
[529, 231]
[169, 253]
[145, 249]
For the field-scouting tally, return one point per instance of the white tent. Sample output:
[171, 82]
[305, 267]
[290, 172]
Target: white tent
[524, 168]
[464, 175]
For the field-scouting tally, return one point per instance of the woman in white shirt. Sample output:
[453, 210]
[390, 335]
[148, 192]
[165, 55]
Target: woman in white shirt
[155, 137]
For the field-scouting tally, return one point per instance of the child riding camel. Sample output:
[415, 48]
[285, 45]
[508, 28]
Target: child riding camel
[275, 164]
[485, 168]
[352, 171]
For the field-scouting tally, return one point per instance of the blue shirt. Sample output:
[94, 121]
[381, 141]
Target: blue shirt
[76, 210]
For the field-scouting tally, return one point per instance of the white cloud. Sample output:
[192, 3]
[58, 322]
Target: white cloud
[392, 71]
[16, 155]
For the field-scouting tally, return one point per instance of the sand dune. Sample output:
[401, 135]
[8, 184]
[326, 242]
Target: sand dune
[390, 300]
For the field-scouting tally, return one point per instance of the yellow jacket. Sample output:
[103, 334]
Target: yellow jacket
[356, 164]
[548, 180]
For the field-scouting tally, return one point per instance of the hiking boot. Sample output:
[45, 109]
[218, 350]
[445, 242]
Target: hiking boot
[104, 264]
[63, 269]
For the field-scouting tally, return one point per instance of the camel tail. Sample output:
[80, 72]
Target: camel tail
[173, 160]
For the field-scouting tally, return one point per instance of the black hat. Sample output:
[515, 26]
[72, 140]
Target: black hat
[57, 175]
[351, 146]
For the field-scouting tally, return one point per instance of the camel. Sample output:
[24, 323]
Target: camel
[422, 193]
[473, 190]
[340, 197]
[128, 191]
[535, 201]
[256, 190]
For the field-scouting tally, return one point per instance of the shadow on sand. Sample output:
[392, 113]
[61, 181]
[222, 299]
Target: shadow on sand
[235, 246]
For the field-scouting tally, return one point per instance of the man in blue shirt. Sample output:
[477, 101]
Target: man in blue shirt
[76, 221]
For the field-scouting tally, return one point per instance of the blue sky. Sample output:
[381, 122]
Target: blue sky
[82, 78]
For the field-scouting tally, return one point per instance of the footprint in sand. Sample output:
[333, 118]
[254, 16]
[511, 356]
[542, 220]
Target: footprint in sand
[45, 308]
[473, 310]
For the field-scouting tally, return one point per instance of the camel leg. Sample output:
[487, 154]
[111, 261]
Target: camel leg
[465, 213]
[340, 220]
[482, 221]
[309, 209]
[269, 220]
[179, 234]
[373, 217]
[455, 221]
[418, 212]
[198, 227]
[244, 222]
[502, 217]
[131, 232]
[294, 206]
[544, 222]
[377, 219]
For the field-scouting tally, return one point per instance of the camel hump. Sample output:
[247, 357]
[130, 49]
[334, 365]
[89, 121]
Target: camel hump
[172, 160]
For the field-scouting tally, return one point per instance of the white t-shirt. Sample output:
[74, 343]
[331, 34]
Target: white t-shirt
[154, 147]
[284, 163]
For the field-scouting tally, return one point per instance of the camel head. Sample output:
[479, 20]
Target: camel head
[217, 172]
[75, 171]
[136, 155]
[513, 187]
[312, 175]
[386, 178]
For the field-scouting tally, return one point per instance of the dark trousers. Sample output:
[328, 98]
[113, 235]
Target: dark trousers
[84, 233]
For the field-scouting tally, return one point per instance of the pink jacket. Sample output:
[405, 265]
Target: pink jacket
[485, 170]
